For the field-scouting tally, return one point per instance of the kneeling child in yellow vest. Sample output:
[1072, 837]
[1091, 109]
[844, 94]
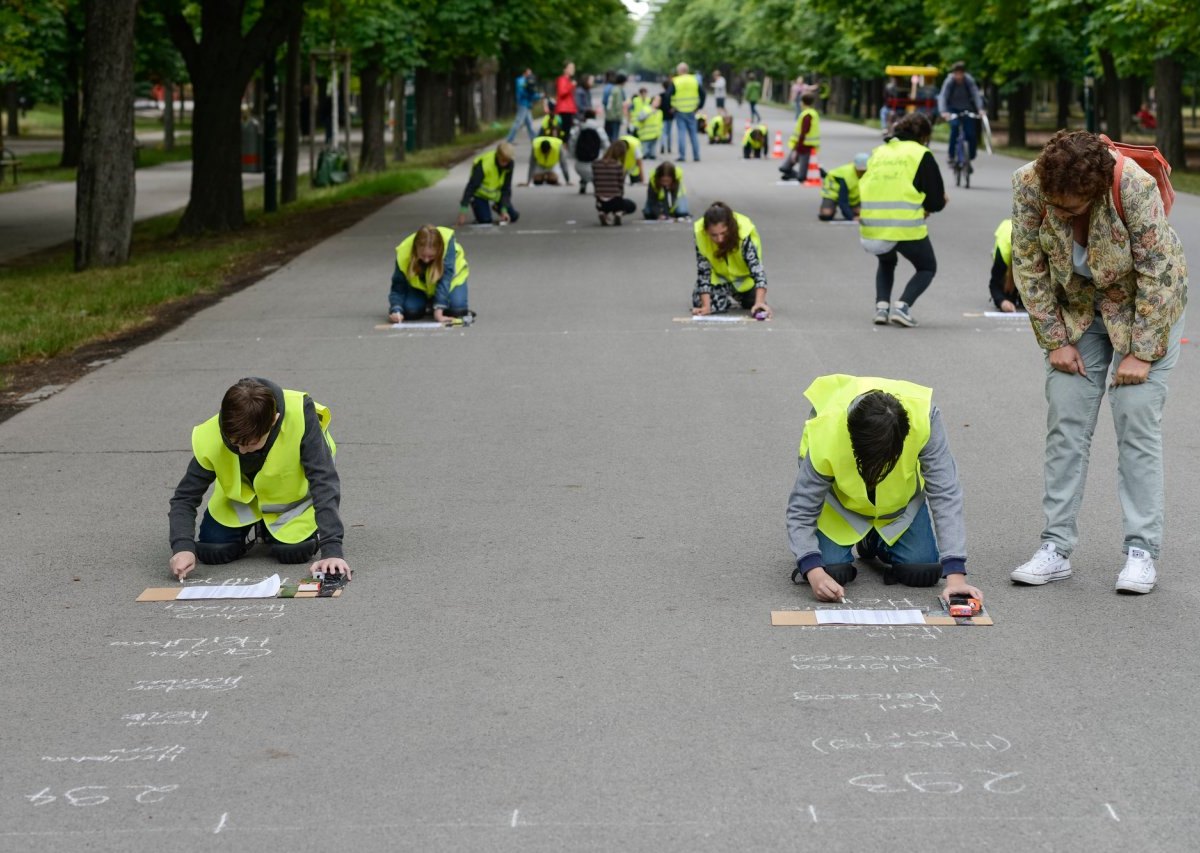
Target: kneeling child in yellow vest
[268, 456]
[874, 465]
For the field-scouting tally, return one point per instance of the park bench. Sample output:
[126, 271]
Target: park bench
[8, 160]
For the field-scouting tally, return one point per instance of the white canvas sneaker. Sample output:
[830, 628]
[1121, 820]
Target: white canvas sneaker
[1139, 574]
[1046, 565]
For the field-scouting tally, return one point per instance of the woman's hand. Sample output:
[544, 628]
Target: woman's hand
[182, 563]
[1131, 371]
[460, 221]
[396, 317]
[702, 310]
[761, 307]
[956, 584]
[1066, 359]
[1007, 307]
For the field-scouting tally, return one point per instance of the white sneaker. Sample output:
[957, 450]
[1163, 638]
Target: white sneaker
[1139, 574]
[1046, 565]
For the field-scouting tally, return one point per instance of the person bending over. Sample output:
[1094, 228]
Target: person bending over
[729, 269]
[430, 276]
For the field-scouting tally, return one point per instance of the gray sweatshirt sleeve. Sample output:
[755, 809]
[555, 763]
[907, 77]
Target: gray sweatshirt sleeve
[945, 496]
[184, 503]
[323, 482]
[804, 507]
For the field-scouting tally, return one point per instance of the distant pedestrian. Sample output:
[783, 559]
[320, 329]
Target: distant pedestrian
[614, 107]
[583, 96]
[960, 95]
[526, 98]
[805, 141]
[729, 268]
[588, 144]
[753, 96]
[664, 104]
[902, 186]
[718, 87]
[564, 98]
[686, 101]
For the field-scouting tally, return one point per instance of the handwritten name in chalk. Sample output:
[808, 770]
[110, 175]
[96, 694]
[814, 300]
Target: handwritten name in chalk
[939, 782]
[920, 741]
[867, 663]
[156, 754]
[165, 718]
[149, 795]
[927, 702]
[224, 611]
[880, 632]
[868, 603]
[245, 647]
[168, 685]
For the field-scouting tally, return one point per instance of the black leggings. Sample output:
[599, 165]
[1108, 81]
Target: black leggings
[917, 252]
[618, 204]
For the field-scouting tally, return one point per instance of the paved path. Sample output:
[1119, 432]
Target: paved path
[567, 524]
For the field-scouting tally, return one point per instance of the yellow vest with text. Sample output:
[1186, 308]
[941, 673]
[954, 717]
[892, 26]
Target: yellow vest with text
[826, 443]
[814, 130]
[892, 208]
[731, 269]
[279, 495]
[429, 286]
[1004, 241]
[493, 176]
[551, 160]
[830, 188]
[687, 93]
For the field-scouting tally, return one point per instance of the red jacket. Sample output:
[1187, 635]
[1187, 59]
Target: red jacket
[564, 95]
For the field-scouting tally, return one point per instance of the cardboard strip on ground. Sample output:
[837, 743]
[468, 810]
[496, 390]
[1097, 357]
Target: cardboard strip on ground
[793, 618]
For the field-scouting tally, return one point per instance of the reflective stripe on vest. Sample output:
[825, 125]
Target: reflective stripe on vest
[543, 160]
[687, 94]
[493, 176]
[651, 126]
[1004, 241]
[848, 515]
[813, 139]
[279, 494]
[458, 262]
[892, 207]
[731, 269]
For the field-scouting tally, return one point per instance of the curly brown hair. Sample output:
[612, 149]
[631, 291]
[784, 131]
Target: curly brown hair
[1075, 163]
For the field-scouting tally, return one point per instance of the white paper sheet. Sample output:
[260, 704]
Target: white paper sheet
[717, 318]
[1018, 315]
[268, 588]
[870, 617]
[417, 325]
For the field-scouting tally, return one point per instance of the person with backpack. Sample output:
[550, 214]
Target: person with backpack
[1103, 277]
[614, 107]
[588, 143]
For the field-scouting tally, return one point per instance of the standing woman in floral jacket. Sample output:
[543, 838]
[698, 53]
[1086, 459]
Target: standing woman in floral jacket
[1106, 295]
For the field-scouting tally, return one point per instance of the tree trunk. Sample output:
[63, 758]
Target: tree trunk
[435, 119]
[506, 92]
[464, 94]
[1018, 104]
[1063, 90]
[104, 186]
[1112, 96]
[1168, 87]
[400, 115]
[168, 115]
[72, 128]
[220, 65]
[373, 157]
[289, 180]
[1131, 100]
[12, 103]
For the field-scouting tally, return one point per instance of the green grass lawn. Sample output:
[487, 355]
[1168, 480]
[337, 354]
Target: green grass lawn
[44, 166]
[50, 309]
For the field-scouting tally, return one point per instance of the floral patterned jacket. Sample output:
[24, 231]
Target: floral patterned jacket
[1139, 282]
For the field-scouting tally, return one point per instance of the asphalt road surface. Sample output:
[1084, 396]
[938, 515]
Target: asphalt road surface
[567, 527]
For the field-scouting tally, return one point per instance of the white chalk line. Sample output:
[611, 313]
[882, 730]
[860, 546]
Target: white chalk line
[1112, 812]
[221, 825]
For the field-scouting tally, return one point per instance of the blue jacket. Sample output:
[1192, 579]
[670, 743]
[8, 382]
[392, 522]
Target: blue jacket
[525, 94]
[441, 295]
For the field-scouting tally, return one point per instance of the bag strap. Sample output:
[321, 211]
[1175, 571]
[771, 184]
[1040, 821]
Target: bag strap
[1117, 171]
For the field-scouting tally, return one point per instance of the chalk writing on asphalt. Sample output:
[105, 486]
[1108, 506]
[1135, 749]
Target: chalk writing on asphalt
[156, 754]
[164, 718]
[178, 610]
[939, 782]
[244, 647]
[168, 685]
[98, 795]
[927, 702]
[868, 663]
[921, 741]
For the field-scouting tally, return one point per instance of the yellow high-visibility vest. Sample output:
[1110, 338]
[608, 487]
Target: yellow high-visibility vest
[687, 93]
[731, 269]
[547, 161]
[404, 257]
[1004, 241]
[892, 208]
[493, 176]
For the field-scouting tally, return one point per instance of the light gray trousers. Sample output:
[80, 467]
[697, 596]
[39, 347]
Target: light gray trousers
[1074, 404]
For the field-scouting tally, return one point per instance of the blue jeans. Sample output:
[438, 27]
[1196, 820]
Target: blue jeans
[915, 545]
[666, 137]
[216, 543]
[483, 211]
[755, 118]
[830, 207]
[968, 129]
[687, 130]
[415, 303]
[524, 115]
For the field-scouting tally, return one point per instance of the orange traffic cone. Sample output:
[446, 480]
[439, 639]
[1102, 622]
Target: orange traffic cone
[777, 151]
[813, 179]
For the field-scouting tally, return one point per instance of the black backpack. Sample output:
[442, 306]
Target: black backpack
[587, 146]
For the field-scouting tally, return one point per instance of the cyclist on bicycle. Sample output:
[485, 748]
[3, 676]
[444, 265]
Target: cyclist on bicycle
[960, 95]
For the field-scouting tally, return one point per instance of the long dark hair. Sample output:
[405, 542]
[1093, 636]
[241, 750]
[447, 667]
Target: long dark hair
[913, 127]
[878, 426]
[719, 213]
